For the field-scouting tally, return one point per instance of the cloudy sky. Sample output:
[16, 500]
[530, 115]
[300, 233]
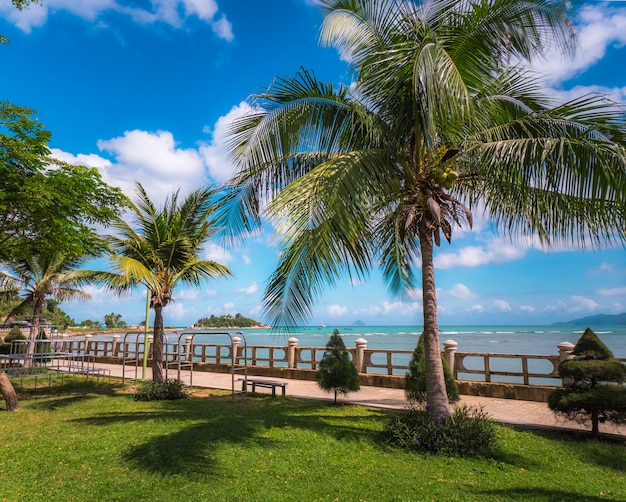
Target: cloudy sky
[142, 90]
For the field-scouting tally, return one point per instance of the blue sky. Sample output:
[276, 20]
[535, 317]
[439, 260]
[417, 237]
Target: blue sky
[143, 89]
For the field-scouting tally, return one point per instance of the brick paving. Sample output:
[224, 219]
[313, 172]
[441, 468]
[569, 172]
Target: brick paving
[518, 413]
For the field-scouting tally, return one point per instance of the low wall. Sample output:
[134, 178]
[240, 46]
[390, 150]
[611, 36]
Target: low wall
[528, 377]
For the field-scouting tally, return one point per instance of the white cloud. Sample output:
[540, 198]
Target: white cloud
[155, 160]
[175, 310]
[102, 296]
[389, 308]
[156, 11]
[462, 292]
[502, 305]
[582, 304]
[477, 308]
[223, 29]
[612, 292]
[210, 292]
[336, 310]
[527, 308]
[216, 253]
[214, 153]
[187, 294]
[246, 259]
[497, 251]
[250, 290]
[152, 158]
[229, 306]
[598, 28]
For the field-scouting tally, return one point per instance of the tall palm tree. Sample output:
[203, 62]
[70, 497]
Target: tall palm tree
[39, 277]
[436, 123]
[162, 251]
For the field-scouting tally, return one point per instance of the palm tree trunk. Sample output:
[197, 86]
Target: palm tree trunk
[34, 331]
[436, 395]
[157, 347]
[8, 392]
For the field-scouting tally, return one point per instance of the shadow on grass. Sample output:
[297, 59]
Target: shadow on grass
[59, 396]
[539, 494]
[206, 424]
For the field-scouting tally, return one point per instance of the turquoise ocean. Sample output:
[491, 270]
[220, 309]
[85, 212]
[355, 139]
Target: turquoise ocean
[494, 339]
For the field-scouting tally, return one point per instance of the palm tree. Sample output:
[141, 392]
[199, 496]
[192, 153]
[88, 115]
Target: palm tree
[436, 123]
[161, 252]
[39, 277]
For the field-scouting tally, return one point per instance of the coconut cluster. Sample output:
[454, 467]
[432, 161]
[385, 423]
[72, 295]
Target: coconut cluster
[445, 177]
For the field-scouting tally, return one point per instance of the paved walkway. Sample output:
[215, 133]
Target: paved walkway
[507, 411]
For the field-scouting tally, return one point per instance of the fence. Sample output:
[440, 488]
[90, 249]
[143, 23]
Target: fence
[521, 369]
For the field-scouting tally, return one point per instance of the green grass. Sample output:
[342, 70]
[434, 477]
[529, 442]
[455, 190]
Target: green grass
[97, 443]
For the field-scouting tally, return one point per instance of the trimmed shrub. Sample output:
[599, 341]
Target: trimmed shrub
[415, 382]
[167, 390]
[591, 394]
[467, 432]
[14, 334]
[42, 347]
[336, 371]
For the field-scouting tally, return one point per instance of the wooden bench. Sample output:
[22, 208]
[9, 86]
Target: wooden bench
[255, 382]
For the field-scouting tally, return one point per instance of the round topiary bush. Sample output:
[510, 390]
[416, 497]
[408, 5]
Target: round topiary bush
[591, 394]
[14, 334]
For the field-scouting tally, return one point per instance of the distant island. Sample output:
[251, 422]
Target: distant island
[597, 320]
[227, 321]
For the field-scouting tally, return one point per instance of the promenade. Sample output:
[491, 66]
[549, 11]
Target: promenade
[506, 411]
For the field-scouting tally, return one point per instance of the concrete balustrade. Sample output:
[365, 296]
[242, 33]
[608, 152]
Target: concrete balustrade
[474, 371]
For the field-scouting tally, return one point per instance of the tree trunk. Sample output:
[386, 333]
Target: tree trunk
[595, 429]
[436, 395]
[8, 392]
[34, 331]
[157, 347]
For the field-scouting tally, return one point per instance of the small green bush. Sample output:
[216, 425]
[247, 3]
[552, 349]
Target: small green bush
[336, 371]
[14, 334]
[167, 390]
[415, 382]
[468, 432]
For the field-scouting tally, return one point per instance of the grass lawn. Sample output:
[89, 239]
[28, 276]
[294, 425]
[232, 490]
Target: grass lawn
[97, 443]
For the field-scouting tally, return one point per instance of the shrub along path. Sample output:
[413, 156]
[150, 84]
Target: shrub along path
[506, 411]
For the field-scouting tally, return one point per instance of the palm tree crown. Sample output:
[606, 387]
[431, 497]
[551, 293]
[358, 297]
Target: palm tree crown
[437, 122]
[162, 250]
[40, 277]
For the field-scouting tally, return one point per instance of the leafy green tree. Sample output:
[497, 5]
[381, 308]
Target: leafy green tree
[114, 320]
[336, 370]
[88, 323]
[160, 252]
[591, 394]
[415, 382]
[39, 277]
[436, 122]
[47, 205]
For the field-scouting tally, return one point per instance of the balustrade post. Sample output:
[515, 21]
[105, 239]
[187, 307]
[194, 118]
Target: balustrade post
[292, 343]
[449, 353]
[116, 346]
[150, 343]
[361, 345]
[565, 353]
[236, 349]
[64, 343]
[87, 344]
[188, 348]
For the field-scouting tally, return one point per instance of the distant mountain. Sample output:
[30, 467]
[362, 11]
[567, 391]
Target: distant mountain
[597, 320]
[358, 323]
